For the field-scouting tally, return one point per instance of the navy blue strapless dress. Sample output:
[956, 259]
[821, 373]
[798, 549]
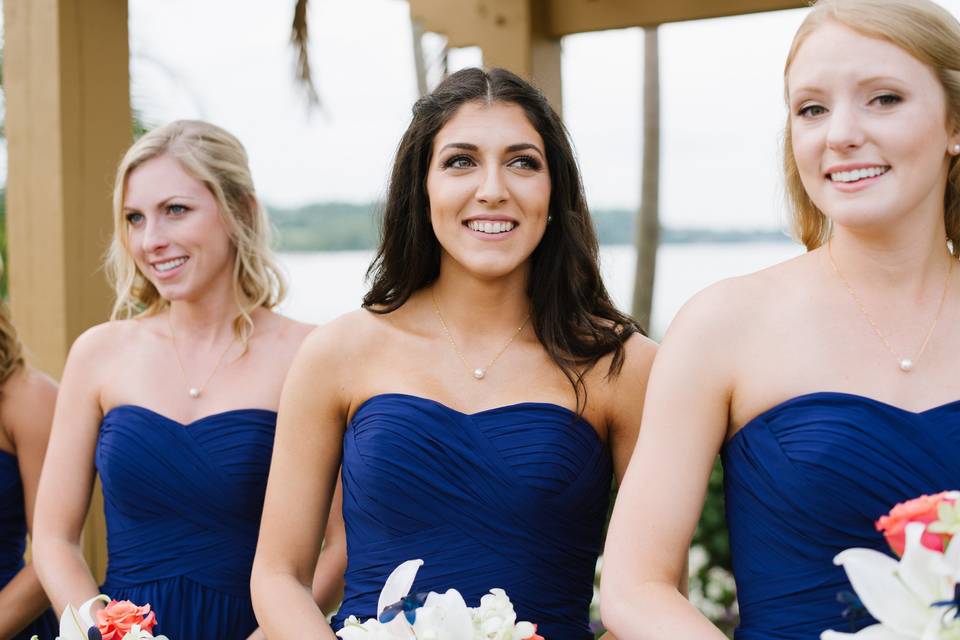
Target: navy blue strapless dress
[513, 497]
[808, 479]
[183, 505]
[13, 542]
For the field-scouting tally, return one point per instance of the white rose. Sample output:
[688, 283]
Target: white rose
[496, 616]
[444, 616]
[372, 629]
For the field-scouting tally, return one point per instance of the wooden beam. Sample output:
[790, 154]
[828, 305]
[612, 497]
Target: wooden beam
[578, 16]
[511, 33]
[68, 122]
[474, 22]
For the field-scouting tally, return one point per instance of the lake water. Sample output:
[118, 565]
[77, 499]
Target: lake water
[324, 285]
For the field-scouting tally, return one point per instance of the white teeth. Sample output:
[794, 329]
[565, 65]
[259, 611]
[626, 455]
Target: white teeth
[488, 226]
[858, 174]
[169, 264]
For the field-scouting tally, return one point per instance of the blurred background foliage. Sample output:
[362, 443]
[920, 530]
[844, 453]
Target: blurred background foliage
[344, 226]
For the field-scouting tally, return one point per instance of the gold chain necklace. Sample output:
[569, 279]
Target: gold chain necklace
[906, 364]
[194, 392]
[480, 372]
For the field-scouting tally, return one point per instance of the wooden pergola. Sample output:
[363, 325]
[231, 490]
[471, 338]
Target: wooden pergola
[524, 35]
[68, 122]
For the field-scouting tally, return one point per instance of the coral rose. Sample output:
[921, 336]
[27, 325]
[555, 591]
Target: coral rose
[922, 509]
[118, 617]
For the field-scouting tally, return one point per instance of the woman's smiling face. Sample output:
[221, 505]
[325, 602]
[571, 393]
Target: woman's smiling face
[869, 129]
[175, 232]
[489, 188]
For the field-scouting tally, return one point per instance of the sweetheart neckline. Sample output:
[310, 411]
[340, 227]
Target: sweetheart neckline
[838, 395]
[191, 422]
[514, 405]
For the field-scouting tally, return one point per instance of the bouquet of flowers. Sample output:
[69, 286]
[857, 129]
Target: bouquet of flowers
[119, 620]
[918, 596]
[436, 616]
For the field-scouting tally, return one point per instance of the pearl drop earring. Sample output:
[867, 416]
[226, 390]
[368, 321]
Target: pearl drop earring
[956, 149]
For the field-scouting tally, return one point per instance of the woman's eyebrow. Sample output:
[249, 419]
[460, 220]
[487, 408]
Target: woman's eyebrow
[460, 145]
[523, 146]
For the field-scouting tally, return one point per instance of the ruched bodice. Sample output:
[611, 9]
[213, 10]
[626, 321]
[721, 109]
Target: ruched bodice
[183, 505]
[513, 497]
[13, 539]
[807, 479]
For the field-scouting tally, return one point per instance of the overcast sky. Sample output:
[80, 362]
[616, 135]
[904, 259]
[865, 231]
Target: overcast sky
[229, 61]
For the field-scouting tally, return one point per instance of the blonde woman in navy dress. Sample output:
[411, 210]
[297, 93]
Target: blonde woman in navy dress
[174, 401]
[828, 383]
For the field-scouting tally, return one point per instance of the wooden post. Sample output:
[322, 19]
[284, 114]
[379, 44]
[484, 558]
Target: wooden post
[647, 235]
[511, 33]
[68, 123]
[419, 64]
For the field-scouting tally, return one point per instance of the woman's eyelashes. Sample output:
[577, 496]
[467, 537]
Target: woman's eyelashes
[811, 111]
[884, 100]
[887, 100]
[458, 162]
[527, 162]
[135, 217]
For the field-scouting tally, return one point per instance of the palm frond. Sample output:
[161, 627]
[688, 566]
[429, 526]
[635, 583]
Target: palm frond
[300, 39]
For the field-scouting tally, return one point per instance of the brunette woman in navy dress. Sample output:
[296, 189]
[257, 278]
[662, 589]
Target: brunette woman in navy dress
[828, 383]
[483, 398]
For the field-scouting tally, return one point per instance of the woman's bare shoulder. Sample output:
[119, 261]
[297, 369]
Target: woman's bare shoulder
[27, 401]
[728, 308]
[346, 337]
[106, 340]
[282, 328]
[28, 386]
[639, 352]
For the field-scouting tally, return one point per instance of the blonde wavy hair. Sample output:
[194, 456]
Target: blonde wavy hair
[218, 160]
[11, 350]
[923, 29]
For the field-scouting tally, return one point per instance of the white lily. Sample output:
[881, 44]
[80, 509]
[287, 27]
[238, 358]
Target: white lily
[398, 584]
[75, 623]
[900, 594]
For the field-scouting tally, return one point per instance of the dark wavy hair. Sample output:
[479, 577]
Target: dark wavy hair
[571, 311]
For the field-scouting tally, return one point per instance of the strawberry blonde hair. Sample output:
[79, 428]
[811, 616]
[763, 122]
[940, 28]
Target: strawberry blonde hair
[923, 29]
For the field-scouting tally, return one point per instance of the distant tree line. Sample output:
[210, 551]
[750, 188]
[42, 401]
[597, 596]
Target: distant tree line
[339, 226]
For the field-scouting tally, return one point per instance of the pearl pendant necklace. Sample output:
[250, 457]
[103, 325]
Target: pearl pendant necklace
[480, 372]
[194, 392]
[906, 364]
